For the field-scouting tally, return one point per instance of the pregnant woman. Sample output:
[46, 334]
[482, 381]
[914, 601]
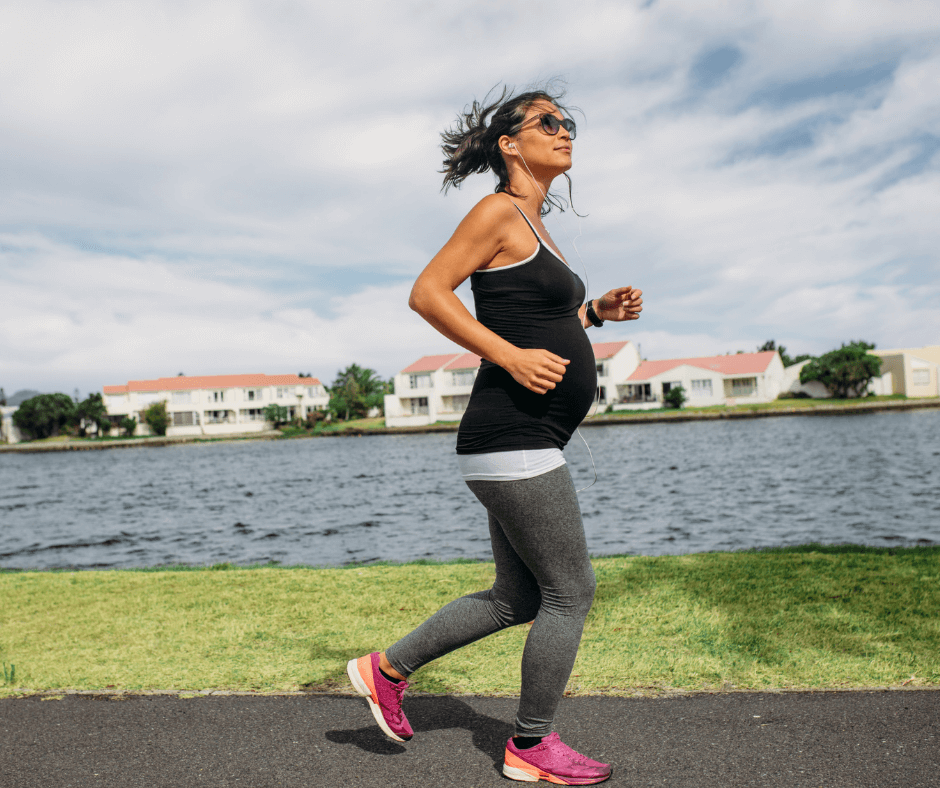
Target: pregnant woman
[536, 383]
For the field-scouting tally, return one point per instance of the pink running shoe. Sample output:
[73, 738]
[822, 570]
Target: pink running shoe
[384, 696]
[552, 761]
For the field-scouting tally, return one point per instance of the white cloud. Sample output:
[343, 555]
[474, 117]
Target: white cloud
[109, 319]
[221, 187]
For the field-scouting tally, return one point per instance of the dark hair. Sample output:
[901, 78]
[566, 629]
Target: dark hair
[471, 145]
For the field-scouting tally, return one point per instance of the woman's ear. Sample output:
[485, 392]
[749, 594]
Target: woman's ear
[507, 146]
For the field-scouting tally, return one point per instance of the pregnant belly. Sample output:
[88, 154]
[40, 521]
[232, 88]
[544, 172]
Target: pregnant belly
[573, 396]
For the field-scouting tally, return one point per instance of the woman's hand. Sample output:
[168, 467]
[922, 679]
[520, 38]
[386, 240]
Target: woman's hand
[537, 370]
[621, 303]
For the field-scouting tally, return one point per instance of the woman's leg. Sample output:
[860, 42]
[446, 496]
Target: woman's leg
[541, 520]
[542, 572]
[513, 599]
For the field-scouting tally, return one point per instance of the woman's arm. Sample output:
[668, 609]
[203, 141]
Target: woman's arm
[621, 303]
[478, 240]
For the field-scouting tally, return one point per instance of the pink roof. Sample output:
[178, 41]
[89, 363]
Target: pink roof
[430, 363]
[466, 361]
[184, 383]
[738, 364]
[608, 349]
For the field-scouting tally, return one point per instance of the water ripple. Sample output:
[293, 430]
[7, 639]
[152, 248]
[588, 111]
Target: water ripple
[662, 488]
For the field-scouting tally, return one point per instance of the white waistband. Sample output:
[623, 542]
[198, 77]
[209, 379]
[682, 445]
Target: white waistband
[507, 466]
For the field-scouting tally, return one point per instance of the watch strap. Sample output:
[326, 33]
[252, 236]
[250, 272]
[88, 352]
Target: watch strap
[592, 315]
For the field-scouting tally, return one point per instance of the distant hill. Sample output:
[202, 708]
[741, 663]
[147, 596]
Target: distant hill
[21, 396]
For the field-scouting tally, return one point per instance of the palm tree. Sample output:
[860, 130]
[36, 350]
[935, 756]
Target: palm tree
[356, 390]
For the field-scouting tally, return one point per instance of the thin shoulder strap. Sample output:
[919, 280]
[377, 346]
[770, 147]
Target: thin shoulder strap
[531, 227]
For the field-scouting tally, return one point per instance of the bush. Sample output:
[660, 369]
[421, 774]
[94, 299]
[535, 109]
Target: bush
[675, 397]
[157, 418]
[44, 415]
[314, 417]
[276, 414]
[793, 395]
[845, 372]
[93, 410]
[128, 425]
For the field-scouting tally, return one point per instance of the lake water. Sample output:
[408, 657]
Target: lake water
[661, 489]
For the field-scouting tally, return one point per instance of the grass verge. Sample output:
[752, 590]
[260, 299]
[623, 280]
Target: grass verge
[782, 405]
[799, 618]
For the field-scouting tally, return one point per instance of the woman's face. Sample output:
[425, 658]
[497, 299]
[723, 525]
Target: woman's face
[539, 147]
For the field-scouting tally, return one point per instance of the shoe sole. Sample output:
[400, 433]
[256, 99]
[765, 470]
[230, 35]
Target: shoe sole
[515, 773]
[355, 678]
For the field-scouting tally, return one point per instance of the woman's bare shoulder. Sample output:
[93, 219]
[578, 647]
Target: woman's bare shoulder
[494, 210]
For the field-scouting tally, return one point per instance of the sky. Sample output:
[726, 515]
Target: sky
[242, 187]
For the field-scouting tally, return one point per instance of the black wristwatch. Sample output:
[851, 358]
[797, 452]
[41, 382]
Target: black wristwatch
[592, 315]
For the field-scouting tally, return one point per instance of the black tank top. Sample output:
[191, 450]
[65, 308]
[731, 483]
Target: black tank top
[532, 304]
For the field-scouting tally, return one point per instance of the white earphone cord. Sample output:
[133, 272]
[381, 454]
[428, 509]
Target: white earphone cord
[587, 286]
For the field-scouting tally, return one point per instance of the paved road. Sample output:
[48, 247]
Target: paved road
[836, 740]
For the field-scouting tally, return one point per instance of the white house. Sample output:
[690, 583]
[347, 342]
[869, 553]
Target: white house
[712, 380]
[437, 388]
[616, 361]
[434, 388]
[914, 371]
[9, 432]
[216, 404]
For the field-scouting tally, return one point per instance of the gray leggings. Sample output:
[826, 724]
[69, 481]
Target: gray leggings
[542, 573]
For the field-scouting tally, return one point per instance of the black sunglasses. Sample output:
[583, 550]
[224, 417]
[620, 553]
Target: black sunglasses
[551, 124]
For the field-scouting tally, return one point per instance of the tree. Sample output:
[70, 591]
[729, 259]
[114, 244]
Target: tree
[45, 414]
[356, 391]
[845, 372]
[3, 397]
[276, 414]
[93, 409]
[129, 425]
[157, 418]
[675, 397]
[787, 360]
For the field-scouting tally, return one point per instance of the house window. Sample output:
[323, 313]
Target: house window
[920, 377]
[464, 377]
[600, 369]
[419, 406]
[182, 397]
[185, 419]
[601, 394]
[419, 381]
[217, 396]
[313, 391]
[702, 388]
[253, 395]
[459, 403]
[743, 387]
[252, 414]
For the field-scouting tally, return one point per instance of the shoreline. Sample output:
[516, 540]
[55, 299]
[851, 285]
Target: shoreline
[634, 417]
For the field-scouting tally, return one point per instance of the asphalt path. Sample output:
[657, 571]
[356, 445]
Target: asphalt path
[830, 739]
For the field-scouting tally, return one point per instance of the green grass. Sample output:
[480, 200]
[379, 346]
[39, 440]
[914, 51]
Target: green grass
[811, 617]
